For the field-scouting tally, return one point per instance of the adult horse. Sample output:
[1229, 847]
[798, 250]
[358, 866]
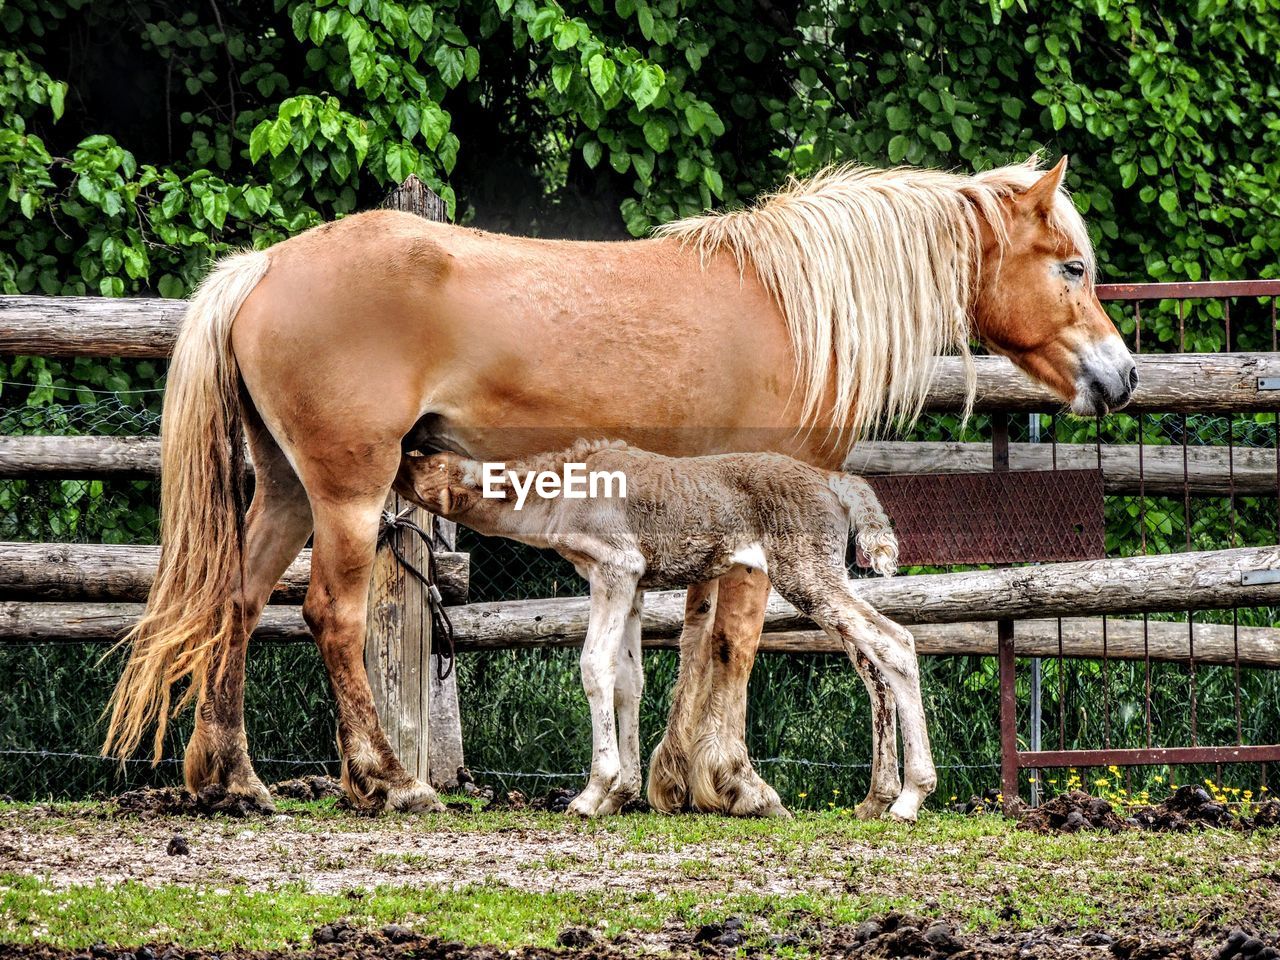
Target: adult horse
[793, 326]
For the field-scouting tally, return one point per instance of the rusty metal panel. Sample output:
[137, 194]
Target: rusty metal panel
[1197, 289]
[1023, 516]
[1154, 756]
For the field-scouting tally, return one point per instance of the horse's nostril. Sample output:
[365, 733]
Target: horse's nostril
[1133, 376]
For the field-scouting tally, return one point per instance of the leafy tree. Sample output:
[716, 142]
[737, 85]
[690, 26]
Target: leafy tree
[137, 140]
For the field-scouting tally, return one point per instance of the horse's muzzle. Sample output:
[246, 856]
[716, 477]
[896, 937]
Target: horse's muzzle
[1107, 379]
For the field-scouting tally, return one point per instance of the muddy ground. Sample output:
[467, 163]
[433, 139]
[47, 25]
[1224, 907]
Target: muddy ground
[889, 936]
[163, 838]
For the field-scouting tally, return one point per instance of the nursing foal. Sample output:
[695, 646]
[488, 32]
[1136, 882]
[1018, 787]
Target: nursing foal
[691, 520]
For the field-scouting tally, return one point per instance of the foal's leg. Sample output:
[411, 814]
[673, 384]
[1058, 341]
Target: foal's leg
[669, 766]
[346, 532]
[828, 598]
[627, 690]
[885, 782]
[612, 597]
[276, 527]
[721, 778]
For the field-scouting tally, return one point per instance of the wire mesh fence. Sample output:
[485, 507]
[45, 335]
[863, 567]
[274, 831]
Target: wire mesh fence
[525, 719]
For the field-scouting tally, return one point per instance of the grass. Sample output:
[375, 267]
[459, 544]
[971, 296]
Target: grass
[979, 871]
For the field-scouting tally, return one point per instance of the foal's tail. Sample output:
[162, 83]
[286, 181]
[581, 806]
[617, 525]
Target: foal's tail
[190, 610]
[867, 516]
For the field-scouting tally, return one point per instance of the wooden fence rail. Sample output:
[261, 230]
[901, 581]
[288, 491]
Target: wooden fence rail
[1154, 470]
[1214, 579]
[1126, 469]
[1082, 637]
[108, 573]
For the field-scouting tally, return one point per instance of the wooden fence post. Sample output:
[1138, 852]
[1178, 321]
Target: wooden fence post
[445, 724]
[418, 712]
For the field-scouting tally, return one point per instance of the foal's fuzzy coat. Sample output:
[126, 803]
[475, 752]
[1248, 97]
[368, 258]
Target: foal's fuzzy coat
[689, 520]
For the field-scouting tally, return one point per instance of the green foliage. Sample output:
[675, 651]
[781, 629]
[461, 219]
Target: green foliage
[303, 112]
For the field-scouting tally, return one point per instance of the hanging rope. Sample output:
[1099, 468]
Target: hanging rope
[441, 625]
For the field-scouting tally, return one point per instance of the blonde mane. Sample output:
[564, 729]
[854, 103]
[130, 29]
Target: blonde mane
[874, 273]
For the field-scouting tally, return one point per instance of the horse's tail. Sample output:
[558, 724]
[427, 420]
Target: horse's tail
[874, 529]
[190, 610]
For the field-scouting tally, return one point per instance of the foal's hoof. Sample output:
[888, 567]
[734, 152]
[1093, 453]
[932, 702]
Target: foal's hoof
[870, 810]
[414, 797]
[617, 798]
[904, 813]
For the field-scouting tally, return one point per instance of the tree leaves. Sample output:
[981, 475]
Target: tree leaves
[602, 72]
[656, 135]
[1169, 160]
[898, 147]
[451, 64]
[647, 85]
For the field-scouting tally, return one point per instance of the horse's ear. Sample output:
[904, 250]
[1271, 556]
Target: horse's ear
[1042, 194]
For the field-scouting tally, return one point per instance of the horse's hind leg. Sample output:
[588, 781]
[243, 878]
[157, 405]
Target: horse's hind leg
[828, 598]
[276, 527]
[885, 782]
[342, 556]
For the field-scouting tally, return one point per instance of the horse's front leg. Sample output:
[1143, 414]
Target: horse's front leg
[721, 778]
[627, 690]
[669, 766]
[613, 595]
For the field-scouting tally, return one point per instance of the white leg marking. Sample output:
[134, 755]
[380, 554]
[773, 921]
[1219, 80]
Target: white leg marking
[751, 556]
[612, 596]
[626, 702]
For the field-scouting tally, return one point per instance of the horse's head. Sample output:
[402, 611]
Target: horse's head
[1035, 300]
[443, 483]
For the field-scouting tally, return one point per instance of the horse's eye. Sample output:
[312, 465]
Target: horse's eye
[1074, 269]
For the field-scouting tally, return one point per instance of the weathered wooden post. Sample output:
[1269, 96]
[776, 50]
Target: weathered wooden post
[418, 711]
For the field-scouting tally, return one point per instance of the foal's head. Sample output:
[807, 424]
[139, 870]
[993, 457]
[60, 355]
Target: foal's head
[444, 483]
[1035, 301]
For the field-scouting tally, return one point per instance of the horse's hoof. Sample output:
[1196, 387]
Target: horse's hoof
[261, 799]
[581, 807]
[776, 809]
[758, 799]
[414, 797]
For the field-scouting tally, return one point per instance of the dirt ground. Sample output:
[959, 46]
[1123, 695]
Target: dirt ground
[889, 936]
[958, 869]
